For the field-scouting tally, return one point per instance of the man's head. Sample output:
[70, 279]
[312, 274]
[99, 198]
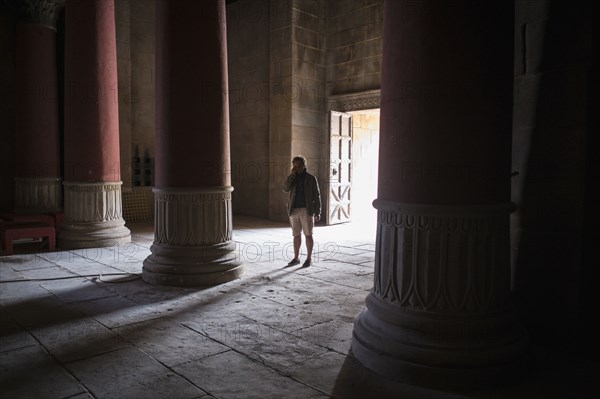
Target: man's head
[299, 163]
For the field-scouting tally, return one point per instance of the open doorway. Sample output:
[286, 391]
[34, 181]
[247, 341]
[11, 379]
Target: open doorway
[365, 157]
[353, 163]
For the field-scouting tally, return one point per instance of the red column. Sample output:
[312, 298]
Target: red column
[93, 211]
[193, 222]
[91, 102]
[439, 312]
[38, 183]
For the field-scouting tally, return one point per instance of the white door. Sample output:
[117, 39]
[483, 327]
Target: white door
[340, 168]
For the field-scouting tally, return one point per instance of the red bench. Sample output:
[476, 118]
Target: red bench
[14, 227]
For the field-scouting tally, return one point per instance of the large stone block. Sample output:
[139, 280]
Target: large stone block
[339, 55]
[310, 134]
[282, 51]
[249, 128]
[372, 65]
[307, 37]
[281, 36]
[375, 30]
[281, 70]
[308, 54]
[369, 48]
[347, 37]
[280, 13]
[309, 118]
[306, 69]
[306, 19]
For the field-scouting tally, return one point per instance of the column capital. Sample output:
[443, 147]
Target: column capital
[44, 12]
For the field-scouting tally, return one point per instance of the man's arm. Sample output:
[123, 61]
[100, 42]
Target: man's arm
[288, 183]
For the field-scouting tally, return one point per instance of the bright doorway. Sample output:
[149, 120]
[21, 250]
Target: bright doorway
[365, 157]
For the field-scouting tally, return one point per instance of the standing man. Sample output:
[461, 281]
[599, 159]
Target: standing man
[304, 207]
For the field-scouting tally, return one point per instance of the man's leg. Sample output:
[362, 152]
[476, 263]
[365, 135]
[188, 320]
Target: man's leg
[309, 247]
[297, 244]
[297, 233]
[307, 227]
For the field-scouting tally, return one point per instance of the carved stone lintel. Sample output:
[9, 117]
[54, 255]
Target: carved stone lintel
[38, 195]
[369, 99]
[192, 238]
[93, 216]
[441, 297]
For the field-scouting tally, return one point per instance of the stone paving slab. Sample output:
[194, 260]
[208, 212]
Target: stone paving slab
[139, 292]
[41, 310]
[218, 324]
[353, 250]
[169, 342]
[347, 274]
[353, 259]
[32, 373]
[77, 339]
[47, 273]
[116, 311]
[76, 290]
[84, 266]
[82, 396]
[335, 335]
[343, 377]
[289, 291]
[21, 262]
[8, 274]
[281, 317]
[130, 373]
[233, 375]
[11, 293]
[369, 246]
[12, 336]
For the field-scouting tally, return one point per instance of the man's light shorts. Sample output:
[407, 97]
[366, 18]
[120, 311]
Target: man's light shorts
[301, 222]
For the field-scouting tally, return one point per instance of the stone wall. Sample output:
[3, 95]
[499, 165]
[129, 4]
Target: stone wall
[282, 95]
[553, 58]
[249, 105]
[310, 131]
[142, 83]
[354, 44]
[298, 119]
[134, 21]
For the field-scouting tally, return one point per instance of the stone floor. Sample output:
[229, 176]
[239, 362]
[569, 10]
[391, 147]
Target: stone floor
[70, 329]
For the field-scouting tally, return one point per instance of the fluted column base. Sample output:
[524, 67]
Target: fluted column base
[193, 243]
[439, 313]
[38, 195]
[93, 216]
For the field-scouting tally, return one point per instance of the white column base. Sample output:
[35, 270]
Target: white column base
[38, 195]
[439, 313]
[93, 216]
[192, 239]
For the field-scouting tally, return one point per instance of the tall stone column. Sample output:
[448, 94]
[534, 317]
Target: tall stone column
[92, 187]
[37, 182]
[440, 310]
[193, 219]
